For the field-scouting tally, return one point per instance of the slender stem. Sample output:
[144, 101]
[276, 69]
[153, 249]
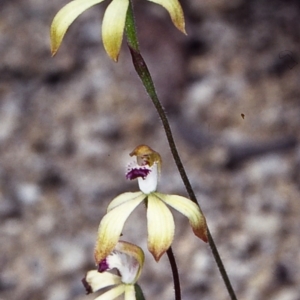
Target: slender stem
[131, 29]
[221, 267]
[145, 76]
[175, 274]
[138, 292]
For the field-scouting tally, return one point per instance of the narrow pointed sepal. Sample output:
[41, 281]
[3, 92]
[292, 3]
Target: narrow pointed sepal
[113, 27]
[175, 10]
[189, 209]
[111, 226]
[64, 18]
[160, 226]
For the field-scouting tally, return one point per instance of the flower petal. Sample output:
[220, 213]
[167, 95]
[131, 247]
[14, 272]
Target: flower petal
[190, 210]
[130, 292]
[113, 293]
[175, 11]
[149, 184]
[160, 226]
[64, 18]
[113, 27]
[132, 251]
[111, 226]
[122, 199]
[94, 281]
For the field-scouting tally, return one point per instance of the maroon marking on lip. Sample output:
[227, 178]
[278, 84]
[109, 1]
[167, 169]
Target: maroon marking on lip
[137, 172]
[103, 266]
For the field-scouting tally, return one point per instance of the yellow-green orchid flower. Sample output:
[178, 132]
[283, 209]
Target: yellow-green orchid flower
[112, 25]
[128, 259]
[160, 220]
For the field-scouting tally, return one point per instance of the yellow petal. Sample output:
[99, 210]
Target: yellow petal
[111, 226]
[160, 227]
[122, 199]
[113, 293]
[190, 210]
[97, 281]
[130, 292]
[64, 18]
[113, 27]
[175, 11]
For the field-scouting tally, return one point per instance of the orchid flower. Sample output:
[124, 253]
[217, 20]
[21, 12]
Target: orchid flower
[160, 221]
[113, 21]
[128, 260]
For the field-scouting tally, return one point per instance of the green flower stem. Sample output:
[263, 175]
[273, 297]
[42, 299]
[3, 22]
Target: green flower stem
[130, 29]
[175, 274]
[138, 292]
[145, 76]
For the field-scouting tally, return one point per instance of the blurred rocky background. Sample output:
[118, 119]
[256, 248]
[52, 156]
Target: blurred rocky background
[231, 89]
